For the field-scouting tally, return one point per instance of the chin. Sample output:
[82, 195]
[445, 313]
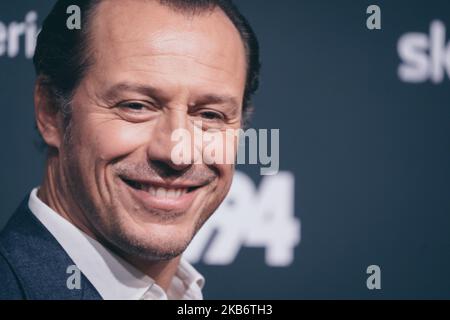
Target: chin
[151, 242]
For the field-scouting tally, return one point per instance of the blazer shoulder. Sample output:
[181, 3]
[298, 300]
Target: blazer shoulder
[34, 264]
[10, 288]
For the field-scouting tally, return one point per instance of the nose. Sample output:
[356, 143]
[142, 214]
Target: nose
[162, 142]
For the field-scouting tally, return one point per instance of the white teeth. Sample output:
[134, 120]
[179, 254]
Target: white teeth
[164, 193]
[152, 191]
[161, 193]
[171, 193]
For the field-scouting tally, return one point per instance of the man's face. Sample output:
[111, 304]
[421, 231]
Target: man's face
[155, 71]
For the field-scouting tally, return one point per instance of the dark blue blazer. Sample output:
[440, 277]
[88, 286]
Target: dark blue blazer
[33, 265]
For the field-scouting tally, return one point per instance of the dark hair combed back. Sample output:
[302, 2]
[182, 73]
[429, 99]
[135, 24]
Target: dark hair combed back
[62, 55]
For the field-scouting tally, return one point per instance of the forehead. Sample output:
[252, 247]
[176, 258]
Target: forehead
[143, 37]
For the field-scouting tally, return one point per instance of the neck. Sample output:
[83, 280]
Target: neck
[54, 193]
[161, 271]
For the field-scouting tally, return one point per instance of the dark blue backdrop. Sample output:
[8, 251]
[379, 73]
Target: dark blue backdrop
[369, 151]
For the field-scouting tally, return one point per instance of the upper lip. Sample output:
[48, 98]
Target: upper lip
[164, 184]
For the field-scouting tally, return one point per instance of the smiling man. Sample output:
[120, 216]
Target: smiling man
[108, 98]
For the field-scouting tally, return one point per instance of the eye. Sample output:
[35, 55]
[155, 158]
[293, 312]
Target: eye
[135, 106]
[211, 115]
[136, 111]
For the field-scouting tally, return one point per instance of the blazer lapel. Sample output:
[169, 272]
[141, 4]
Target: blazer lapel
[39, 261]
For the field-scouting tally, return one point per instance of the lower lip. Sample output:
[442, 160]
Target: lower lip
[151, 202]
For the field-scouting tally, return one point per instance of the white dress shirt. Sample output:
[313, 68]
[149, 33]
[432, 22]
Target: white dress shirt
[112, 276]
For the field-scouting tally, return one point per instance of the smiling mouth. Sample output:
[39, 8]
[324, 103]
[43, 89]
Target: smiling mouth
[158, 191]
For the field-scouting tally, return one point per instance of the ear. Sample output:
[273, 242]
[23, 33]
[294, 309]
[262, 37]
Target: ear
[48, 117]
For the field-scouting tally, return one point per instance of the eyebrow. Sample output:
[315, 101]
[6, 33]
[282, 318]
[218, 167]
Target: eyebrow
[217, 99]
[113, 92]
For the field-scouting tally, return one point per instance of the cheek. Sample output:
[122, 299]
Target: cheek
[219, 148]
[108, 140]
[219, 151]
[227, 172]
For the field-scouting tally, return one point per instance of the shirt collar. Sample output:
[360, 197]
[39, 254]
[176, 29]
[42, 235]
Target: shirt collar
[112, 276]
